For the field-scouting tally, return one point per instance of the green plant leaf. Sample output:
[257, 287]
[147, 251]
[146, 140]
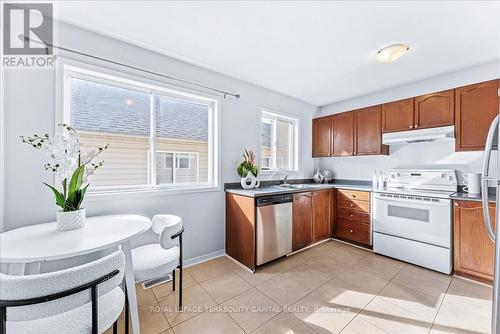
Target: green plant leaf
[242, 170]
[59, 197]
[80, 196]
[75, 184]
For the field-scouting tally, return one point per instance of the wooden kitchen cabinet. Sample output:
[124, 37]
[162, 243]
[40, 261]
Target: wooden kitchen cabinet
[352, 213]
[473, 249]
[322, 137]
[240, 229]
[302, 220]
[475, 108]
[343, 134]
[435, 109]
[368, 126]
[311, 218]
[398, 115]
[321, 219]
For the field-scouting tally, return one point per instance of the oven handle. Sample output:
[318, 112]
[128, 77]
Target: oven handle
[442, 202]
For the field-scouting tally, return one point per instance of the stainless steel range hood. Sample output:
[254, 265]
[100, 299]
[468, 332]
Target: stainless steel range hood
[418, 136]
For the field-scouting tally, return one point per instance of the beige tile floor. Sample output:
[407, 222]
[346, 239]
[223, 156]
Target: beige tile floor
[329, 288]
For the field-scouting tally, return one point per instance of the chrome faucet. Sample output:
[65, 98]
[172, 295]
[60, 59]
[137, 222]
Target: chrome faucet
[283, 182]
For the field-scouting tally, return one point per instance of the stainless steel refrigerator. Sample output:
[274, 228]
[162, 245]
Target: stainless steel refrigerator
[493, 179]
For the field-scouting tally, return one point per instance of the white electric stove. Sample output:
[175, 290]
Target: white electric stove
[412, 217]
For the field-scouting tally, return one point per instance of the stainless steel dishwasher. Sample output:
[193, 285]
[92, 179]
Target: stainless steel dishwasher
[274, 227]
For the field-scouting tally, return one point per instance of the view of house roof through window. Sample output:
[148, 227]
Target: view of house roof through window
[103, 111]
[104, 108]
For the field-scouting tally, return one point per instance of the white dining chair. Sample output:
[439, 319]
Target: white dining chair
[155, 260]
[79, 300]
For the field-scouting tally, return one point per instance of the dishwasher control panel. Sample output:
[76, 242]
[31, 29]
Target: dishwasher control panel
[274, 199]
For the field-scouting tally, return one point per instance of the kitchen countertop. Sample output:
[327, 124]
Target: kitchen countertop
[463, 196]
[276, 190]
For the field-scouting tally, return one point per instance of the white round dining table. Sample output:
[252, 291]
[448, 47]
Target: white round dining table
[23, 249]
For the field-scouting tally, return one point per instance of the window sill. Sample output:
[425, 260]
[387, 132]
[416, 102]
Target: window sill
[99, 195]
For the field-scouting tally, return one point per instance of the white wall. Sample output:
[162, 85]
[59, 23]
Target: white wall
[436, 154]
[30, 107]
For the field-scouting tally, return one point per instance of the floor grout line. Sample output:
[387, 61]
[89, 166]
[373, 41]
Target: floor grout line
[375, 296]
[440, 304]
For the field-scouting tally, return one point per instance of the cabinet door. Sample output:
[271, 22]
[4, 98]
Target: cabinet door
[302, 220]
[321, 215]
[397, 115]
[343, 134]
[473, 249]
[436, 109]
[475, 108]
[369, 131]
[322, 137]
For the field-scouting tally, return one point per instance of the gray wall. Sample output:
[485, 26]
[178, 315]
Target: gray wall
[30, 107]
[435, 154]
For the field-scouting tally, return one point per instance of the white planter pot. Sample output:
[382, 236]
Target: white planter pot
[249, 181]
[70, 220]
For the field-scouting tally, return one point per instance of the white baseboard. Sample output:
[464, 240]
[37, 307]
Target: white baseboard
[203, 258]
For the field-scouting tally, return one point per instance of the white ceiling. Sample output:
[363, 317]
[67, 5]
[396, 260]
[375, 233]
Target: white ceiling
[319, 52]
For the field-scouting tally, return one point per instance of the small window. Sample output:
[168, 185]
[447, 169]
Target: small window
[182, 161]
[186, 168]
[279, 137]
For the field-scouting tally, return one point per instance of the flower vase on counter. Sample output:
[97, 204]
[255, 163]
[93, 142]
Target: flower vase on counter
[248, 170]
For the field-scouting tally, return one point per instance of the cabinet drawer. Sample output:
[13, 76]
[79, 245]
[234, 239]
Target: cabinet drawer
[353, 195]
[358, 216]
[353, 205]
[353, 231]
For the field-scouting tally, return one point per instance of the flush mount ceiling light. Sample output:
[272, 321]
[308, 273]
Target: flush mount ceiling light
[391, 53]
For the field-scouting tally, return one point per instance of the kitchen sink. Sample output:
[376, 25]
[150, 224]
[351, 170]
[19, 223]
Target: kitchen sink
[299, 186]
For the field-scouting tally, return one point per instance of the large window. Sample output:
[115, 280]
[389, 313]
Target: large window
[279, 138]
[158, 137]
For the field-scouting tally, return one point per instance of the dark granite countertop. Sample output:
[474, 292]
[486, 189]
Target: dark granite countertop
[272, 187]
[461, 195]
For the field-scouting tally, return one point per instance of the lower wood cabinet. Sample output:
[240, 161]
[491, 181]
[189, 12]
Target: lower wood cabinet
[302, 220]
[473, 249]
[240, 229]
[311, 218]
[352, 216]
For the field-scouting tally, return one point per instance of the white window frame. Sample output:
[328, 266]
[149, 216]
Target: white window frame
[294, 149]
[73, 69]
[176, 153]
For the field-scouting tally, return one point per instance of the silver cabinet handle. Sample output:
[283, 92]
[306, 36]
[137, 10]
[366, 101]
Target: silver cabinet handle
[351, 231]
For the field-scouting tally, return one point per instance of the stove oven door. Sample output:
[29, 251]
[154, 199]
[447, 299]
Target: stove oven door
[416, 218]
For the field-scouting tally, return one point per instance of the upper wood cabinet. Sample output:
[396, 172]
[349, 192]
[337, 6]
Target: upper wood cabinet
[473, 249]
[368, 125]
[343, 134]
[398, 115]
[475, 108]
[322, 137]
[436, 109]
